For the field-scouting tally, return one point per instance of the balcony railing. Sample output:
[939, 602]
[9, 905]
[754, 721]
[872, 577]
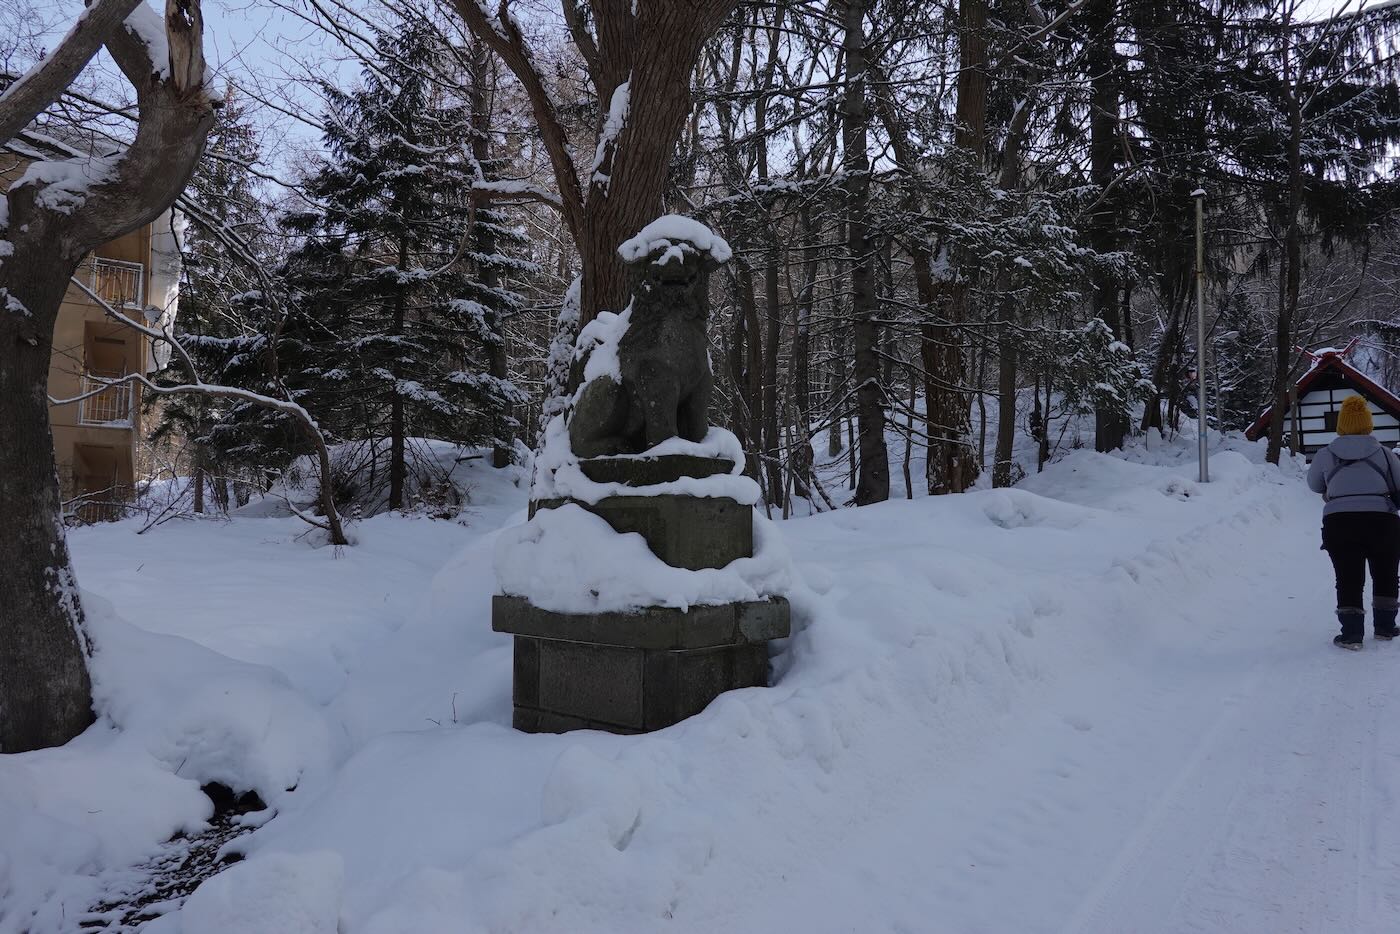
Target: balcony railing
[111, 406]
[121, 284]
[109, 505]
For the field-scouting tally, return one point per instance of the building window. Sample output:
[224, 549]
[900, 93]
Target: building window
[1329, 420]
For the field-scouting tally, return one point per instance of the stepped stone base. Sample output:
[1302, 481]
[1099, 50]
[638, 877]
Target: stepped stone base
[646, 669]
[672, 524]
[633, 672]
[690, 532]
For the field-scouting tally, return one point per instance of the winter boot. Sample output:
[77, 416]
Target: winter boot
[1383, 611]
[1353, 622]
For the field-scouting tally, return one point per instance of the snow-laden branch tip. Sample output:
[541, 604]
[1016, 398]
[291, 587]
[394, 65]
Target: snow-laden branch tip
[515, 190]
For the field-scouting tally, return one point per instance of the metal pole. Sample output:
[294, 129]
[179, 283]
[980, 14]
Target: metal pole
[1200, 195]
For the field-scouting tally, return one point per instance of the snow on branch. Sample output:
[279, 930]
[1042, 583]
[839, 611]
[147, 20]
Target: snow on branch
[304, 420]
[47, 80]
[502, 33]
[613, 126]
[514, 190]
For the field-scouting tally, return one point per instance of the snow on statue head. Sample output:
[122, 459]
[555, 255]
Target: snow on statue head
[644, 374]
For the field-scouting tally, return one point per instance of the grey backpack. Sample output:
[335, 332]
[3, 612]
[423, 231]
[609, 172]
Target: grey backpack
[1386, 475]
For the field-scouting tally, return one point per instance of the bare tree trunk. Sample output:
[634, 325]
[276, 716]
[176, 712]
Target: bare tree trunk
[981, 407]
[497, 362]
[651, 49]
[1044, 453]
[197, 469]
[873, 483]
[1009, 180]
[909, 439]
[1292, 267]
[836, 379]
[45, 692]
[1166, 352]
[1110, 427]
[1006, 397]
[854, 466]
[771, 441]
[748, 350]
[398, 466]
[44, 687]
[801, 466]
[738, 342]
[947, 404]
[950, 467]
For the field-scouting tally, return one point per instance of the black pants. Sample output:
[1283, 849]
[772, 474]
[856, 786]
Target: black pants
[1356, 539]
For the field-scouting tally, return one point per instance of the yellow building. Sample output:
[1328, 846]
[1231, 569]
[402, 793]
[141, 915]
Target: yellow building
[96, 440]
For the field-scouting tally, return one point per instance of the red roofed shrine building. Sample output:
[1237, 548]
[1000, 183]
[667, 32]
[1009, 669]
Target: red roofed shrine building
[1311, 422]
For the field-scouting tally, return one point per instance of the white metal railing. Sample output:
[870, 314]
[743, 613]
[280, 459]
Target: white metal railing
[120, 283]
[110, 406]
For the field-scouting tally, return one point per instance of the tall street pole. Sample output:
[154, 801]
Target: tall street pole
[1200, 195]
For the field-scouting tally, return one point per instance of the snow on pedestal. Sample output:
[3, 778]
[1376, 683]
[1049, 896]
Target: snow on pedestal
[641, 587]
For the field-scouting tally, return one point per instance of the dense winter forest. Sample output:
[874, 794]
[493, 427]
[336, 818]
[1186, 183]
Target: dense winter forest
[953, 220]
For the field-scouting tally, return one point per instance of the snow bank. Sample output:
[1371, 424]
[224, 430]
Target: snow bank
[874, 786]
[206, 717]
[68, 814]
[281, 894]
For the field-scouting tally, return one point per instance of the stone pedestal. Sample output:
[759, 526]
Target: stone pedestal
[632, 672]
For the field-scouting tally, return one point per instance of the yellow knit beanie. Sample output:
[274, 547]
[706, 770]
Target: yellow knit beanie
[1355, 417]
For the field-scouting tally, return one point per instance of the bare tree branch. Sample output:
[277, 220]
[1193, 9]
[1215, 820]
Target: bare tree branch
[46, 81]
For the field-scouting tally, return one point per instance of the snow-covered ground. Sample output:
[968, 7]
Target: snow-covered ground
[1104, 701]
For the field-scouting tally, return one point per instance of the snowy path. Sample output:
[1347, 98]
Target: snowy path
[1267, 823]
[1243, 782]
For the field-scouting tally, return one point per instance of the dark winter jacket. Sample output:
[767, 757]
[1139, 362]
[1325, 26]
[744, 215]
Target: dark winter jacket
[1363, 486]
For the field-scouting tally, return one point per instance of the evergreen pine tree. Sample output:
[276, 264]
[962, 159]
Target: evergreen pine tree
[218, 321]
[400, 286]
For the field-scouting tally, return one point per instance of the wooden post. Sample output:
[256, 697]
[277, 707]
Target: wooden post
[1203, 453]
[1297, 434]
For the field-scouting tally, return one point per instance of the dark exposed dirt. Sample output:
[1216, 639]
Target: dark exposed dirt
[185, 861]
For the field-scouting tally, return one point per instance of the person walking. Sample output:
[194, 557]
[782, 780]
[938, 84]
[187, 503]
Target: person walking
[1360, 480]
